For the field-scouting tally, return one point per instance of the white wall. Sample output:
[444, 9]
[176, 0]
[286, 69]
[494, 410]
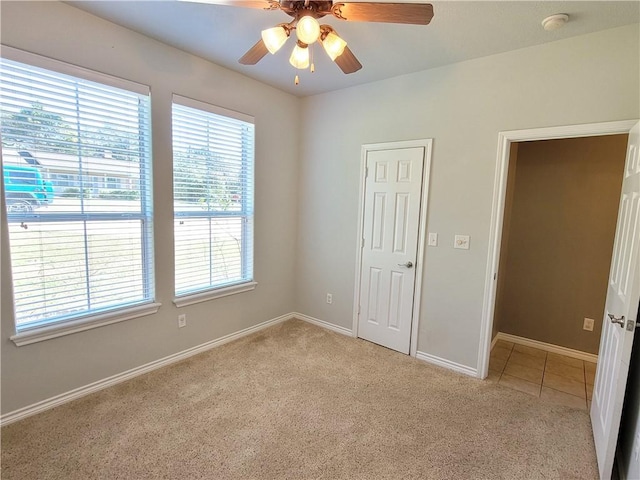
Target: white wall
[592, 78]
[35, 372]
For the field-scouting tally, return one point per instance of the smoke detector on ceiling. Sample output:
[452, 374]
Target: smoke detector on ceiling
[555, 22]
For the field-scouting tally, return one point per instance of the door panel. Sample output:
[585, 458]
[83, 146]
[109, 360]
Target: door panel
[391, 219]
[623, 296]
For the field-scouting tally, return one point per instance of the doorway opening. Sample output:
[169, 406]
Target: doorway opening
[622, 289]
[559, 224]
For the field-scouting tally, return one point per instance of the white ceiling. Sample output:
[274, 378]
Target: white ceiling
[460, 30]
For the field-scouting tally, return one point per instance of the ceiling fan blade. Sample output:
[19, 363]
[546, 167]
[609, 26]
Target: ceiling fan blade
[262, 4]
[348, 62]
[413, 13]
[254, 54]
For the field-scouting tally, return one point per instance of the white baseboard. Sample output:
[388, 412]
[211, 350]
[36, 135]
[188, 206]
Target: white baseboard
[493, 342]
[569, 352]
[441, 362]
[323, 324]
[76, 393]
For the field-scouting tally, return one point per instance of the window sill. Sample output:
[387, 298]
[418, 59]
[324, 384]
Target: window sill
[40, 334]
[213, 294]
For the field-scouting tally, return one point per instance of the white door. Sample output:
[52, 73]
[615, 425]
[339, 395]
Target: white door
[391, 222]
[621, 309]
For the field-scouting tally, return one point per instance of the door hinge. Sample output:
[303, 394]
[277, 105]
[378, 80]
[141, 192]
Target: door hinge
[362, 243]
[495, 275]
[366, 172]
[358, 309]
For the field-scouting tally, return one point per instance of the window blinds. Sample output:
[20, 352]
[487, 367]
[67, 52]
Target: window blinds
[213, 155]
[76, 169]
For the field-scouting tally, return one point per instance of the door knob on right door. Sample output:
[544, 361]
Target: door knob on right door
[620, 321]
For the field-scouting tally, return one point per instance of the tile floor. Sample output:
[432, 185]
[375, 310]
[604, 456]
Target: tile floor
[549, 376]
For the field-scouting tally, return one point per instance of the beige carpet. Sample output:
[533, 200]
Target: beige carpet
[299, 402]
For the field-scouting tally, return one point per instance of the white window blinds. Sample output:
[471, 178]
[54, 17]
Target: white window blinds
[76, 170]
[213, 197]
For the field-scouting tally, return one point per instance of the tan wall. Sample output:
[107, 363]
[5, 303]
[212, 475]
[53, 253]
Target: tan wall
[559, 241]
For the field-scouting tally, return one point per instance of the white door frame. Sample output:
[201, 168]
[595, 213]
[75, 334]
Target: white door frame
[497, 211]
[427, 143]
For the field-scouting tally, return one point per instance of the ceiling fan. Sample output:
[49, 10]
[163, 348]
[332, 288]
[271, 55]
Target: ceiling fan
[305, 15]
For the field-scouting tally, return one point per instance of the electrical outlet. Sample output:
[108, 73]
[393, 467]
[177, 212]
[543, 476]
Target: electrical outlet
[588, 324]
[329, 298]
[461, 241]
[182, 320]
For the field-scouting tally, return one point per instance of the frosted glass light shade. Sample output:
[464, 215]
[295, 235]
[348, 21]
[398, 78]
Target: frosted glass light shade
[334, 45]
[274, 38]
[308, 30]
[299, 57]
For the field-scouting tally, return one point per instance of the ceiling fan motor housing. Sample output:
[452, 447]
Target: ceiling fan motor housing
[316, 9]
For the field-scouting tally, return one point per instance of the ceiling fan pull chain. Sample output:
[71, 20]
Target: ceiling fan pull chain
[313, 67]
[297, 80]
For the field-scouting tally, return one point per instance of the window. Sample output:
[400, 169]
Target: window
[79, 252]
[213, 200]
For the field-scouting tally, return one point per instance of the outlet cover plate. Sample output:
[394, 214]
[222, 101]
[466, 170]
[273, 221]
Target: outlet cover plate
[461, 241]
[588, 324]
[433, 239]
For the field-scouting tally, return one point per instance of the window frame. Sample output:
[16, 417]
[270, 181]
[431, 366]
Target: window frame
[88, 320]
[244, 285]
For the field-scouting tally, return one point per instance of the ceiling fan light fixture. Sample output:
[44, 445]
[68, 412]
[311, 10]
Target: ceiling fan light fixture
[308, 29]
[274, 38]
[300, 56]
[333, 45]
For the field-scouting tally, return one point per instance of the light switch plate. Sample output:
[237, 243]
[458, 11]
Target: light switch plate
[433, 239]
[461, 241]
